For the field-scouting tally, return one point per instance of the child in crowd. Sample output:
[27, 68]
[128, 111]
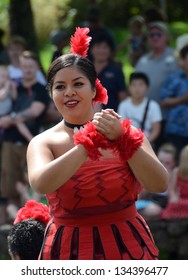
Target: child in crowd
[26, 194]
[26, 235]
[136, 40]
[178, 191]
[8, 93]
[143, 112]
[151, 205]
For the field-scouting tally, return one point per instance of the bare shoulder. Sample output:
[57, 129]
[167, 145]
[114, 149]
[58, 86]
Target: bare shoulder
[54, 140]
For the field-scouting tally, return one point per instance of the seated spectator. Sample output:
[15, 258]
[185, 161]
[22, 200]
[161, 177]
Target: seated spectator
[26, 235]
[15, 48]
[177, 206]
[8, 94]
[145, 113]
[174, 98]
[151, 205]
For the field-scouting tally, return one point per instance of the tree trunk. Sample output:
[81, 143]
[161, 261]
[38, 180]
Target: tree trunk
[21, 22]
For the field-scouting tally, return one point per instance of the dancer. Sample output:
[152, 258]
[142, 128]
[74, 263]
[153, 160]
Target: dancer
[26, 235]
[91, 175]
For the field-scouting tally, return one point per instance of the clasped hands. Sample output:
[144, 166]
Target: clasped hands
[108, 123]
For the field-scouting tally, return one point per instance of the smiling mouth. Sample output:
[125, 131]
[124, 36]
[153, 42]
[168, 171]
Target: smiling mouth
[71, 103]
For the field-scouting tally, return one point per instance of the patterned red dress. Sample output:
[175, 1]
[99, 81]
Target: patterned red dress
[179, 209]
[95, 218]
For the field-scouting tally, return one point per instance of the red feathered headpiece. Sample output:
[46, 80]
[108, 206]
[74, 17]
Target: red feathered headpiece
[33, 210]
[79, 45]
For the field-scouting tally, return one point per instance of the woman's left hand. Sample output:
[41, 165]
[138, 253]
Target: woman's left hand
[108, 123]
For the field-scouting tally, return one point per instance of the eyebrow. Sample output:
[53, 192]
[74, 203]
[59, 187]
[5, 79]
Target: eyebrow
[75, 79]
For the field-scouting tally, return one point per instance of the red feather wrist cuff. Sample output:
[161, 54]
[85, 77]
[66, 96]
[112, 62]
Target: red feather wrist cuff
[129, 142]
[125, 146]
[92, 140]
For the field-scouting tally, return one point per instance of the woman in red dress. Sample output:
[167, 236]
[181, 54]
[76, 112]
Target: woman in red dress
[91, 167]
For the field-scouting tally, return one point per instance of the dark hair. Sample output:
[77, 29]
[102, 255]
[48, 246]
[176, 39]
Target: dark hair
[25, 239]
[17, 40]
[103, 37]
[139, 76]
[183, 52]
[68, 60]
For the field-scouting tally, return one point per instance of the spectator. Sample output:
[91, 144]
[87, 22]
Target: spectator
[159, 61]
[15, 48]
[174, 97]
[29, 107]
[177, 206]
[26, 235]
[144, 113]
[157, 64]
[109, 72]
[137, 40]
[151, 205]
[8, 93]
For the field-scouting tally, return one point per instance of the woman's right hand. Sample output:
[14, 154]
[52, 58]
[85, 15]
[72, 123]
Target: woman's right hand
[108, 123]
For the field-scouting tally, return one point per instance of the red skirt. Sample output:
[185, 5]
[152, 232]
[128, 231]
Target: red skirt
[113, 236]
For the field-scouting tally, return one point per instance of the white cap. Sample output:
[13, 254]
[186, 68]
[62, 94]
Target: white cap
[181, 42]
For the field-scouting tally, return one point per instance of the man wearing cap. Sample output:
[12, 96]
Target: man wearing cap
[160, 61]
[157, 64]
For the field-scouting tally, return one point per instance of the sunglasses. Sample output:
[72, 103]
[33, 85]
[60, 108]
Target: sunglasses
[156, 34]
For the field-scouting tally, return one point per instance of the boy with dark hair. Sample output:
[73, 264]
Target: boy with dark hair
[144, 113]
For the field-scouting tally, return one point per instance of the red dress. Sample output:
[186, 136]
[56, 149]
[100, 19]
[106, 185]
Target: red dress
[94, 216]
[178, 209]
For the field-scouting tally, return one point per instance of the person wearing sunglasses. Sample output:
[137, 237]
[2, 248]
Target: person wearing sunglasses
[158, 62]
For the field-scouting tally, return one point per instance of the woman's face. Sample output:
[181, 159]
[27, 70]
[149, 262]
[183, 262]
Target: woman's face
[72, 94]
[101, 52]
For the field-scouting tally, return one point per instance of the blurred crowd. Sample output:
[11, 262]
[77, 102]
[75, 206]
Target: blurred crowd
[155, 98]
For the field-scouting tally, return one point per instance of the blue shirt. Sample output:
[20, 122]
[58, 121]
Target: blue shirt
[176, 85]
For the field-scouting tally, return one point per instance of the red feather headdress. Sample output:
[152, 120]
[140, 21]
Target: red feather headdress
[79, 45]
[33, 210]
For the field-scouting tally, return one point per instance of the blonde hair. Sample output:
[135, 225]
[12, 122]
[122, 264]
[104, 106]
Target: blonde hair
[168, 148]
[183, 163]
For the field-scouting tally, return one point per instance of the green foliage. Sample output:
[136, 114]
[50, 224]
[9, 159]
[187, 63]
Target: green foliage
[50, 15]
[4, 14]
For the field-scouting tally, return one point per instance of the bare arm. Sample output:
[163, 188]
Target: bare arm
[33, 111]
[174, 101]
[148, 169]
[46, 173]
[173, 190]
[155, 131]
